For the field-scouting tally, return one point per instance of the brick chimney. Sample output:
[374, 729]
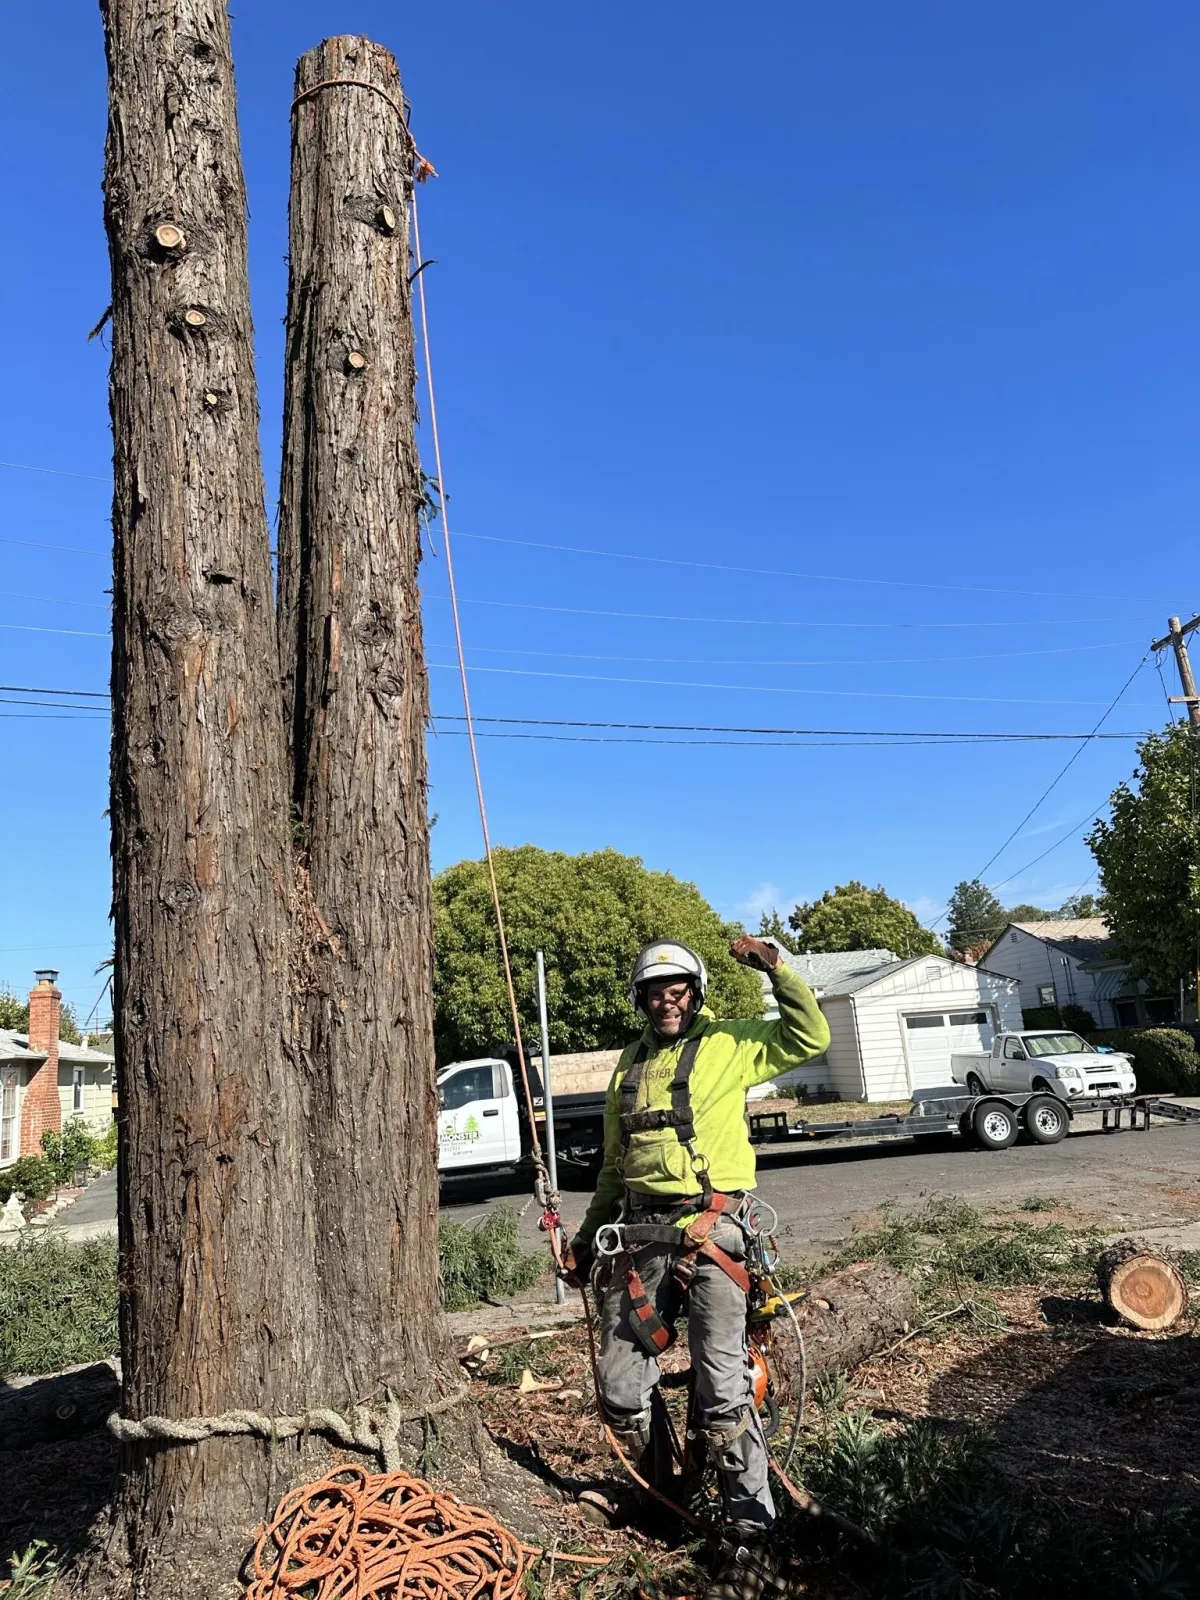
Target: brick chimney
[40, 1105]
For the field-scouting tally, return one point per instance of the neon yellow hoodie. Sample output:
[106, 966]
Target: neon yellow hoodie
[733, 1057]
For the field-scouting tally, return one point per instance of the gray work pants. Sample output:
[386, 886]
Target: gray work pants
[725, 1416]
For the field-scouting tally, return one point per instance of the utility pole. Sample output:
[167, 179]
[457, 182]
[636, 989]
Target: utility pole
[1177, 639]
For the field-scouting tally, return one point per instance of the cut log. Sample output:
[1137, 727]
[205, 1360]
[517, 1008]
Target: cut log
[1145, 1290]
[845, 1318]
[60, 1406]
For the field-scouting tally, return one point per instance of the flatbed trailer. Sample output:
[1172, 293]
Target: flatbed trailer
[993, 1121]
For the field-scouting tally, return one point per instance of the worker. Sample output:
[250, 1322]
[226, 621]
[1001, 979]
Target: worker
[678, 1167]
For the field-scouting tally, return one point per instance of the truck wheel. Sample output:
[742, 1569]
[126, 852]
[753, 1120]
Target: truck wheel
[1045, 1119]
[994, 1124]
[975, 1084]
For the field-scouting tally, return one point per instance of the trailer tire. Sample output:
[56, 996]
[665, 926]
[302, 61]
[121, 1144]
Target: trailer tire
[1046, 1119]
[994, 1125]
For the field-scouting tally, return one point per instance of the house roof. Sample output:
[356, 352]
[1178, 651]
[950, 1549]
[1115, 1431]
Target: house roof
[1085, 938]
[15, 1047]
[854, 981]
[825, 971]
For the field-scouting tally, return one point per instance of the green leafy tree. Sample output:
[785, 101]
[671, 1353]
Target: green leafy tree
[772, 926]
[1081, 905]
[591, 914]
[1148, 852]
[14, 1014]
[976, 917]
[853, 917]
[1027, 913]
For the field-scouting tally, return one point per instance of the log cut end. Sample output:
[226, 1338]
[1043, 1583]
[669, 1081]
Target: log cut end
[1141, 1287]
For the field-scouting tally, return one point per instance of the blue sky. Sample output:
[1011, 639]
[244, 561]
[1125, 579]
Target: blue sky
[895, 305]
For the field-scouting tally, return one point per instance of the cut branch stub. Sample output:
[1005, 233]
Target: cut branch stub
[1142, 1287]
[356, 361]
[170, 236]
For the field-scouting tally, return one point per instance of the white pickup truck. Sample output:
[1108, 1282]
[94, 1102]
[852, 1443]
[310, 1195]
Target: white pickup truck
[1054, 1061]
[483, 1124]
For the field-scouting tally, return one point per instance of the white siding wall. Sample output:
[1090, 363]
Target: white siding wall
[844, 1072]
[1033, 963]
[930, 985]
[97, 1095]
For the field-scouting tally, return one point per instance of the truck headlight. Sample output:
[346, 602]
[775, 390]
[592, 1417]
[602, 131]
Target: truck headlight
[1066, 1072]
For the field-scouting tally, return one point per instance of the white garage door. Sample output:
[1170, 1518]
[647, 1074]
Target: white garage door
[931, 1037]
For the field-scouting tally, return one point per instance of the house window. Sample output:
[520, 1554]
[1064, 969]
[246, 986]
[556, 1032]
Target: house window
[1045, 994]
[1125, 1012]
[77, 1089]
[1160, 1012]
[8, 1114]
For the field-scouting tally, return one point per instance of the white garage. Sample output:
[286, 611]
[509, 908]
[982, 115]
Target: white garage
[896, 1024]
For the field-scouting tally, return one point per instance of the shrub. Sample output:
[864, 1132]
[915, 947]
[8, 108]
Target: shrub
[67, 1147]
[32, 1176]
[1078, 1018]
[1041, 1017]
[1164, 1059]
[484, 1262]
[106, 1148]
[58, 1303]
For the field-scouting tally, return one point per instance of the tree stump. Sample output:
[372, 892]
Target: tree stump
[845, 1318]
[1141, 1287]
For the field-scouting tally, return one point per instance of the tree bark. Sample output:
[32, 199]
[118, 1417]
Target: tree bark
[356, 702]
[845, 1318]
[216, 1249]
[1139, 1285]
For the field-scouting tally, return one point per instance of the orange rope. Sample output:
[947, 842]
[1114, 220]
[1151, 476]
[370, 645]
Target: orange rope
[355, 1535]
[466, 692]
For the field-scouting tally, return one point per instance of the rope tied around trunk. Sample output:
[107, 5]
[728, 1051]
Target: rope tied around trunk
[376, 1433]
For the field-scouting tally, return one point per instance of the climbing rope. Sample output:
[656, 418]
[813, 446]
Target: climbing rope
[380, 1536]
[547, 1195]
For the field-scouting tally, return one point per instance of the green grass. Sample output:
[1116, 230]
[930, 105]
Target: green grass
[951, 1252]
[485, 1262]
[58, 1304]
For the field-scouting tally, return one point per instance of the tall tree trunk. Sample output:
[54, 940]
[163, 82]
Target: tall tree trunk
[356, 691]
[216, 1272]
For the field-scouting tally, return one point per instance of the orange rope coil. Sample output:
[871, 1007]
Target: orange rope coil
[357, 1535]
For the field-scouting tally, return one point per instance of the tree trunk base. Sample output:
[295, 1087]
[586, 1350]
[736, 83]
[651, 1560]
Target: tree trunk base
[1143, 1288]
[454, 1451]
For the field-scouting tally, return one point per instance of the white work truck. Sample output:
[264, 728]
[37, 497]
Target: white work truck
[483, 1123]
[1048, 1061]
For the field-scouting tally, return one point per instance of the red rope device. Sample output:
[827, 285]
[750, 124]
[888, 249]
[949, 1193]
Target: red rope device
[356, 1535]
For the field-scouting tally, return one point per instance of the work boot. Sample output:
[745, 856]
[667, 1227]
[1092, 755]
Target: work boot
[614, 1505]
[746, 1570]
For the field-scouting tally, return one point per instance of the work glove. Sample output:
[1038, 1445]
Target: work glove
[577, 1262]
[757, 953]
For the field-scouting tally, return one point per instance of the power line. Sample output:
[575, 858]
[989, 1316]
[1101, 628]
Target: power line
[768, 688]
[1053, 785]
[74, 633]
[90, 605]
[758, 661]
[67, 549]
[790, 622]
[54, 472]
[693, 727]
[774, 572]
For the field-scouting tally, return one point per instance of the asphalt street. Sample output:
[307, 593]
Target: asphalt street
[1120, 1180]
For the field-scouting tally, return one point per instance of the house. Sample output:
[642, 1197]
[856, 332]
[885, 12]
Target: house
[894, 1023]
[1074, 962]
[46, 1082]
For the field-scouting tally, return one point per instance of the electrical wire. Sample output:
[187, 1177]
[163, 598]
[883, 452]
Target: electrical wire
[54, 472]
[1051, 787]
[774, 572]
[761, 661]
[789, 622]
[769, 688]
[73, 633]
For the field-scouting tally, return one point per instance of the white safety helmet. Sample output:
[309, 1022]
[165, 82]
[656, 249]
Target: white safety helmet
[667, 960]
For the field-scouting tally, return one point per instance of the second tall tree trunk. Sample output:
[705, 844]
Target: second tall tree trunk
[357, 702]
